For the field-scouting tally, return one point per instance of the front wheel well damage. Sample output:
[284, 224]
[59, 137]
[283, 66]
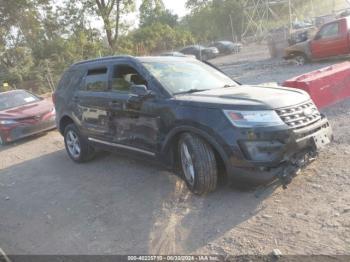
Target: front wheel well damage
[173, 159]
[297, 53]
[64, 122]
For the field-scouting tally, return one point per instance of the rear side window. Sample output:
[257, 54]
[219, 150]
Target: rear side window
[97, 80]
[70, 79]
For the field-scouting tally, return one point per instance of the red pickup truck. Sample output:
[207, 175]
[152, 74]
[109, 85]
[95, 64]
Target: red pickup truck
[333, 39]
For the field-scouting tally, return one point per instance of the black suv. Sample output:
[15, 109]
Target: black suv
[190, 116]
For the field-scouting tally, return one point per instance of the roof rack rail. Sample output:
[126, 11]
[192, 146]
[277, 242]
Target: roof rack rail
[106, 58]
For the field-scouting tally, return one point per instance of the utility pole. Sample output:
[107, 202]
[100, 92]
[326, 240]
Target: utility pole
[232, 31]
[49, 78]
[290, 16]
[313, 8]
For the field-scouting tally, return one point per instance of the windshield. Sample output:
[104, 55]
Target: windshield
[188, 76]
[14, 99]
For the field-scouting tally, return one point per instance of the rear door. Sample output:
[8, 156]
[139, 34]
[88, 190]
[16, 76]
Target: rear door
[92, 102]
[331, 40]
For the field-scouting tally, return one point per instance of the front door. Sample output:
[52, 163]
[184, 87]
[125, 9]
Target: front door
[133, 121]
[329, 42]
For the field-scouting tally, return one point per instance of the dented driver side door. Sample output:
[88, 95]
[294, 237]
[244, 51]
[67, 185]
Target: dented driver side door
[134, 121]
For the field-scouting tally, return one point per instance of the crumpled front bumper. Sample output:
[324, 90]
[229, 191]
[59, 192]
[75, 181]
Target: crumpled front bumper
[290, 155]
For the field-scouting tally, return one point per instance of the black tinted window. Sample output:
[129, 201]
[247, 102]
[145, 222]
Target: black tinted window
[71, 79]
[64, 80]
[124, 76]
[97, 80]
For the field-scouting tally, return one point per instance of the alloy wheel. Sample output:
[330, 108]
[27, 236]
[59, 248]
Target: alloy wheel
[187, 164]
[299, 60]
[73, 144]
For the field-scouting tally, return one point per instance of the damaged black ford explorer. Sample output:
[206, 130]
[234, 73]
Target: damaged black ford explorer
[190, 116]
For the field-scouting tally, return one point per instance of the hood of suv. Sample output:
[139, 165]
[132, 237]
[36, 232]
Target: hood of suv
[247, 97]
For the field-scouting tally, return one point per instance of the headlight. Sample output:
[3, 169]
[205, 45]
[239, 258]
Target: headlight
[248, 119]
[7, 122]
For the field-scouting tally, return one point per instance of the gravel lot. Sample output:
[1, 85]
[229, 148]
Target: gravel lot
[254, 66]
[117, 205]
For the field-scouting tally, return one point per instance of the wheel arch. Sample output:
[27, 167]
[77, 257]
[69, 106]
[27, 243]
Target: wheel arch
[171, 141]
[296, 53]
[291, 54]
[64, 122]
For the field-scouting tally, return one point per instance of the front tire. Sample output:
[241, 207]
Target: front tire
[198, 164]
[300, 59]
[76, 145]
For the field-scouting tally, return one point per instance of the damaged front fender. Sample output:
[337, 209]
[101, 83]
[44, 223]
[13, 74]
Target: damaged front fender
[297, 49]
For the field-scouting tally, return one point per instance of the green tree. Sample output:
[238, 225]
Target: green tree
[36, 46]
[214, 19]
[150, 10]
[111, 13]
[154, 11]
[159, 37]
[196, 4]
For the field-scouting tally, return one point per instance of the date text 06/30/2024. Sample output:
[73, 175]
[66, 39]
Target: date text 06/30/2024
[172, 258]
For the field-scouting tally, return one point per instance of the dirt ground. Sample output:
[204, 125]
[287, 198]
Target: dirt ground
[254, 66]
[117, 205]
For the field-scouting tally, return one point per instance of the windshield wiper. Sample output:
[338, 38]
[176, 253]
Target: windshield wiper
[193, 90]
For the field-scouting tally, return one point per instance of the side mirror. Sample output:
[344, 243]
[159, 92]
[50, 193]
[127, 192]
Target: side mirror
[140, 90]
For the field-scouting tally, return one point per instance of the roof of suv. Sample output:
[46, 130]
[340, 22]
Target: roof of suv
[140, 59]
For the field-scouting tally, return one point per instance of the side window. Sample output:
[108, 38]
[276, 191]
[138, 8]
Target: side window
[97, 80]
[124, 76]
[331, 30]
[65, 79]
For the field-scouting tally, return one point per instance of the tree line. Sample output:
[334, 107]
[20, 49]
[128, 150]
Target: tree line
[40, 38]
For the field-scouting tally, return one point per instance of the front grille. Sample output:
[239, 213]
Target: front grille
[300, 115]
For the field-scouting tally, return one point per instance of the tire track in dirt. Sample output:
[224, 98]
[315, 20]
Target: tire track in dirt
[167, 227]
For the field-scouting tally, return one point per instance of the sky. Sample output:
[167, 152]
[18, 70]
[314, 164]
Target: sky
[177, 6]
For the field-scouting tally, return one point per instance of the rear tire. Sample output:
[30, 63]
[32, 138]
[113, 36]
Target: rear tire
[198, 164]
[78, 148]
